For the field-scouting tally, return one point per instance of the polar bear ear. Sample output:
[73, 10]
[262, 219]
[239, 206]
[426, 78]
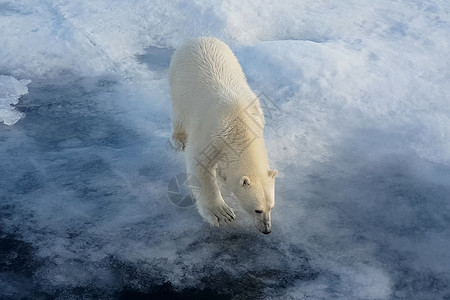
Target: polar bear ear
[273, 173]
[245, 181]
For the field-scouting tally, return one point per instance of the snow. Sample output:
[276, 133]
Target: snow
[11, 90]
[358, 125]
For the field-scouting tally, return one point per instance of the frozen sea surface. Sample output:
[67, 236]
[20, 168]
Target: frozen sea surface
[358, 125]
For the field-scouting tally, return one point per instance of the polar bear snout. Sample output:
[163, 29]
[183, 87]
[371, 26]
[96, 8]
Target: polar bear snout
[263, 224]
[267, 231]
[265, 228]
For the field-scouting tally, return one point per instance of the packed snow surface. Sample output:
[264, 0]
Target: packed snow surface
[357, 109]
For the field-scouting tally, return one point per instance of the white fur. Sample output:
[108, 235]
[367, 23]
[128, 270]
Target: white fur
[218, 122]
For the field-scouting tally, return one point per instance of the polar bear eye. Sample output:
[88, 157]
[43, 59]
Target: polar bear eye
[258, 211]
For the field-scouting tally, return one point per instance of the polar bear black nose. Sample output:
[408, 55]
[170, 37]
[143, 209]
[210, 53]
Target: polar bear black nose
[267, 231]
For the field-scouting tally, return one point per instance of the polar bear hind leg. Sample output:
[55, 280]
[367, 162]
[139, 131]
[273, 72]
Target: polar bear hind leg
[179, 136]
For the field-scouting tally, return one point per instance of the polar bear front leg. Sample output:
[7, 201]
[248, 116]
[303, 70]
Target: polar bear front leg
[206, 191]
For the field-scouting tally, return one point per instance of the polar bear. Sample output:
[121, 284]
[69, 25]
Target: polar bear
[218, 122]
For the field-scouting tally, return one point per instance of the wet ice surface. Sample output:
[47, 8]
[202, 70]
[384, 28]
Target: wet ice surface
[85, 213]
[357, 126]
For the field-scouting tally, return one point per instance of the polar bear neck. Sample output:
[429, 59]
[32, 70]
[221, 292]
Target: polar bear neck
[253, 159]
[243, 140]
[251, 162]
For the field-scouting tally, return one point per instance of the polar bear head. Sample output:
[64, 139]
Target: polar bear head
[256, 194]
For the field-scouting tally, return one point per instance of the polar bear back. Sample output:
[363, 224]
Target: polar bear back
[207, 62]
[207, 80]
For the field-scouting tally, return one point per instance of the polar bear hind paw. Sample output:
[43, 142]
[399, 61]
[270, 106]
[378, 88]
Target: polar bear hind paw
[177, 144]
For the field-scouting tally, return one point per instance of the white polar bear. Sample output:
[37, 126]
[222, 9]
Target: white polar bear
[218, 122]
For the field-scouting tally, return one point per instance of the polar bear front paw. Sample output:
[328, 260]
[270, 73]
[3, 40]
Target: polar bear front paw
[219, 214]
